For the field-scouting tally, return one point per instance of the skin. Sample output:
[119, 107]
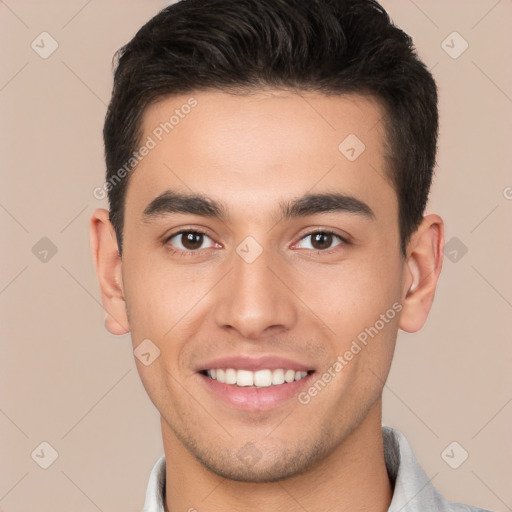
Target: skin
[251, 153]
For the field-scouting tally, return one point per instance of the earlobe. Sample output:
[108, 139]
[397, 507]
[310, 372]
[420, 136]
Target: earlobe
[107, 262]
[422, 268]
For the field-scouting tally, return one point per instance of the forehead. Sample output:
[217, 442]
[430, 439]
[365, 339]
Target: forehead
[253, 150]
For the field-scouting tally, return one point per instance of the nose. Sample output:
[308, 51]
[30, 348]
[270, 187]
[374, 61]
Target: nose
[256, 299]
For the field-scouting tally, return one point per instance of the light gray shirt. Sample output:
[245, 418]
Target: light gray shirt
[413, 491]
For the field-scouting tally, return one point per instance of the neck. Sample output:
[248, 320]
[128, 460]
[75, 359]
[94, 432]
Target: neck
[352, 478]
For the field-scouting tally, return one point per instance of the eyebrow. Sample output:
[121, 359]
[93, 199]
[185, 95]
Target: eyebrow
[170, 202]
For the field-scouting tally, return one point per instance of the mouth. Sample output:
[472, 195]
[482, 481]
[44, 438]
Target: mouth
[254, 384]
[263, 378]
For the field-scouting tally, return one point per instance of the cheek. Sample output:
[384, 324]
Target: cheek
[161, 297]
[352, 296]
[360, 304]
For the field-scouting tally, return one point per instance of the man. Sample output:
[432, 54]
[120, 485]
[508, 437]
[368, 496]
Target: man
[268, 167]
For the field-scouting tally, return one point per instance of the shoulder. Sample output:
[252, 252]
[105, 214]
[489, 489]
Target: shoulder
[413, 489]
[453, 506]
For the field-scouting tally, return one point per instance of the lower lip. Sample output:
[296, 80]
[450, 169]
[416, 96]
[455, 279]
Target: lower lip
[255, 399]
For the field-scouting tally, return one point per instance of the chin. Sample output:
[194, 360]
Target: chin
[250, 465]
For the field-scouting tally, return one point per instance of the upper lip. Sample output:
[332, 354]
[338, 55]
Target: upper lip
[253, 363]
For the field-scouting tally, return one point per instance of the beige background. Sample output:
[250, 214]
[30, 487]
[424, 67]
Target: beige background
[66, 381]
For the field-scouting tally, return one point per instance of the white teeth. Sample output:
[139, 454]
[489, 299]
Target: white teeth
[230, 376]
[259, 379]
[277, 377]
[289, 376]
[300, 375]
[244, 378]
[263, 378]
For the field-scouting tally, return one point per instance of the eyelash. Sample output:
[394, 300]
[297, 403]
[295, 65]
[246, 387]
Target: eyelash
[193, 253]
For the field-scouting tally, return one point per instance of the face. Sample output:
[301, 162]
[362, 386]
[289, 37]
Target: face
[262, 259]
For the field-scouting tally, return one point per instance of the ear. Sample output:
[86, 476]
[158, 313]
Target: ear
[107, 261]
[424, 259]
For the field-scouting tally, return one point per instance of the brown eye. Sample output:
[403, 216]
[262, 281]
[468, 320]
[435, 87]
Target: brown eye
[320, 241]
[190, 241]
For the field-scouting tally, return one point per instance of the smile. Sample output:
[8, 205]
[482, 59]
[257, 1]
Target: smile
[255, 379]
